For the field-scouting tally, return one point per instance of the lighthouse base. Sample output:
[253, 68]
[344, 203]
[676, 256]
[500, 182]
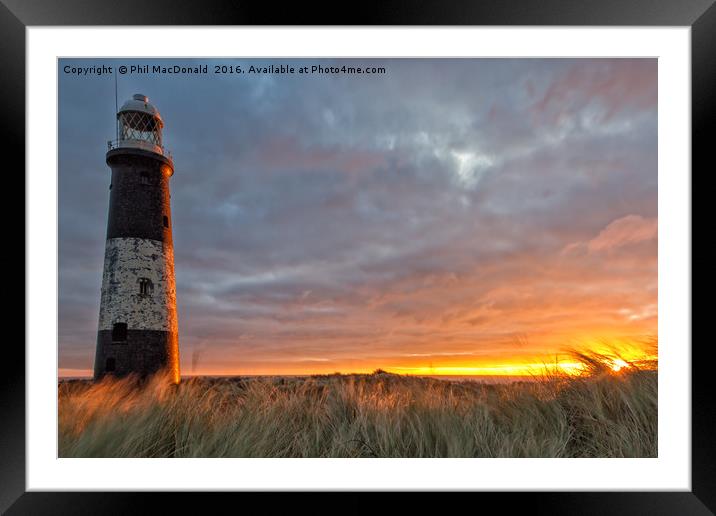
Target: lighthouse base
[143, 353]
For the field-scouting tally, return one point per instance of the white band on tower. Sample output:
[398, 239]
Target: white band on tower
[138, 285]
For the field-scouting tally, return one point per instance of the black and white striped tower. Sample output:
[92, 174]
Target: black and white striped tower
[138, 317]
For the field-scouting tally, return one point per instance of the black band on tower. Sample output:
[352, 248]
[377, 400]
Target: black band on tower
[142, 352]
[139, 204]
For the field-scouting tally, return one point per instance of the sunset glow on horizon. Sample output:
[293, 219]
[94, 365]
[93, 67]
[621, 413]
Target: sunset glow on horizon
[640, 354]
[453, 217]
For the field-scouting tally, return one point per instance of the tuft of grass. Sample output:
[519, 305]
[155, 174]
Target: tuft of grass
[600, 413]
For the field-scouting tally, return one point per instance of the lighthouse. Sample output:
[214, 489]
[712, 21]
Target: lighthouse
[137, 331]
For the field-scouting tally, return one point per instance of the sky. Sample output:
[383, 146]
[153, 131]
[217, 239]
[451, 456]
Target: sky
[450, 216]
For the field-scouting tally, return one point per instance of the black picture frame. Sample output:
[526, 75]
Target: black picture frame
[700, 15]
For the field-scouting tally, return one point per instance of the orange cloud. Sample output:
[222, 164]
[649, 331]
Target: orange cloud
[623, 231]
[617, 84]
[630, 229]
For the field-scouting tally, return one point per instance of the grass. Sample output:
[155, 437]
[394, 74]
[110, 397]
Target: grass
[597, 414]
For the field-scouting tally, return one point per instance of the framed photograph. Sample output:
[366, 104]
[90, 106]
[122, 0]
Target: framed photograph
[442, 248]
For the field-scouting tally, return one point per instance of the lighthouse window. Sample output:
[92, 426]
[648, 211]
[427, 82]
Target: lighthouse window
[145, 286]
[109, 365]
[119, 332]
[166, 221]
[144, 178]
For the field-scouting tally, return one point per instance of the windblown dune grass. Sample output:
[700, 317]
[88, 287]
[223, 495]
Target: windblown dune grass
[598, 414]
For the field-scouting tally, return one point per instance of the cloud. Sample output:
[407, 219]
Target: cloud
[626, 230]
[612, 86]
[623, 231]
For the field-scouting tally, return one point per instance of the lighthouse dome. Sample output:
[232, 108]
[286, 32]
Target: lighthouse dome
[139, 103]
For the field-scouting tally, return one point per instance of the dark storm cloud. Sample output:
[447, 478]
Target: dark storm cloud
[329, 218]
